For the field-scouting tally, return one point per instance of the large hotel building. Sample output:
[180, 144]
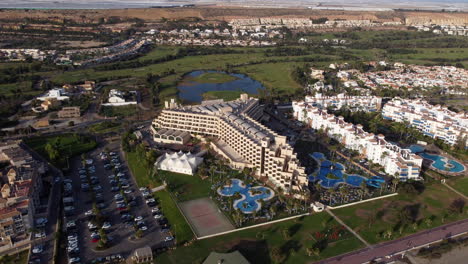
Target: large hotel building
[237, 136]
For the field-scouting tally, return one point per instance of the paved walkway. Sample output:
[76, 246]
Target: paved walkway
[401, 245]
[347, 227]
[455, 191]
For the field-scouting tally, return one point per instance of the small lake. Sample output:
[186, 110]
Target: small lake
[192, 91]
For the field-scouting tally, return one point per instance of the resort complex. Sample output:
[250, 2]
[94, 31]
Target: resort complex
[395, 160]
[435, 121]
[238, 136]
[354, 103]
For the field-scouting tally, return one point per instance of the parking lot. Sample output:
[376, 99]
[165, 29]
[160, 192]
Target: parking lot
[102, 203]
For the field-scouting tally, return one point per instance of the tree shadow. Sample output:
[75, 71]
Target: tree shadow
[290, 246]
[254, 251]
[294, 228]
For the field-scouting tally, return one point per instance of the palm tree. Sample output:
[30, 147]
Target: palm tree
[395, 181]
[331, 192]
[272, 211]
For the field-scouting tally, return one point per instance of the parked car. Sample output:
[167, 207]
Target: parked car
[38, 249]
[168, 238]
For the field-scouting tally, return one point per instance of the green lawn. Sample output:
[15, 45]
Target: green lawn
[274, 76]
[292, 238]
[104, 127]
[20, 258]
[460, 184]
[139, 171]
[214, 77]
[179, 227]
[68, 145]
[432, 204]
[186, 187]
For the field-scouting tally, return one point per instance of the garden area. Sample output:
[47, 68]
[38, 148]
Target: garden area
[459, 183]
[19, 258]
[58, 148]
[104, 127]
[415, 208]
[179, 227]
[300, 240]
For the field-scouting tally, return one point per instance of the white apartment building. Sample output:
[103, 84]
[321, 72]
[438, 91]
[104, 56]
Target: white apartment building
[354, 103]
[58, 94]
[238, 137]
[432, 120]
[395, 161]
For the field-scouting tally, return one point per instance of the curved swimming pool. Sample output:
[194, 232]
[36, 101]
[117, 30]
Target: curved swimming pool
[337, 171]
[248, 203]
[439, 162]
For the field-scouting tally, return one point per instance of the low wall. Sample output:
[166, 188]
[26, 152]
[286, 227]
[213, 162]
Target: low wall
[363, 201]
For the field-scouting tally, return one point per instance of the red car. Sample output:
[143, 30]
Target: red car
[95, 240]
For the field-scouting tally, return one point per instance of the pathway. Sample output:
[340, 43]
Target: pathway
[455, 191]
[347, 227]
[402, 245]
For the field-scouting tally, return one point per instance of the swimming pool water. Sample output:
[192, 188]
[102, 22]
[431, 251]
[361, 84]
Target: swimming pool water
[248, 203]
[338, 170]
[439, 162]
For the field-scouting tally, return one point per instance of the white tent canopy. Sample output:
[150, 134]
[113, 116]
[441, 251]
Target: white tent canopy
[185, 163]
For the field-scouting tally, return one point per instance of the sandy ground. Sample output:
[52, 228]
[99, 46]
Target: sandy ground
[227, 13]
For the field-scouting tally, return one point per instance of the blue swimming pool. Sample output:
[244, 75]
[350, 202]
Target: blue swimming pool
[327, 167]
[439, 162]
[250, 195]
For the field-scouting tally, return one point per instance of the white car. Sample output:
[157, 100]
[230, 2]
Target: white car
[40, 234]
[106, 225]
[73, 260]
[88, 213]
[89, 161]
[169, 238]
[138, 218]
[38, 249]
[142, 189]
[158, 216]
[152, 200]
[128, 191]
[155, 210]
[143, 228]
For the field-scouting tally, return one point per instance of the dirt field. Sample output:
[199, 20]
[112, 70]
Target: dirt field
[228, 13]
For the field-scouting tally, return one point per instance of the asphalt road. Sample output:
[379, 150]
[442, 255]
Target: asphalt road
[119, 232]
[391, 248]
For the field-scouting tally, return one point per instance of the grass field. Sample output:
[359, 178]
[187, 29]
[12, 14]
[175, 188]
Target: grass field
[460, 184]
[291, 238]
[68, 145]
[225, 95]
[186, 187]
[20, 258]
[432, 204]
[104, 127]
[139, 171]
[179, 227]
[214, 77]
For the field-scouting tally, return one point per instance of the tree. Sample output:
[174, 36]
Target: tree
[313, 252]
[52, 151]
[277, 255]
[457, 206]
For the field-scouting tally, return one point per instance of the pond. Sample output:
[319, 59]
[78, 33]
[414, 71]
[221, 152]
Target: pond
[197, 86]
